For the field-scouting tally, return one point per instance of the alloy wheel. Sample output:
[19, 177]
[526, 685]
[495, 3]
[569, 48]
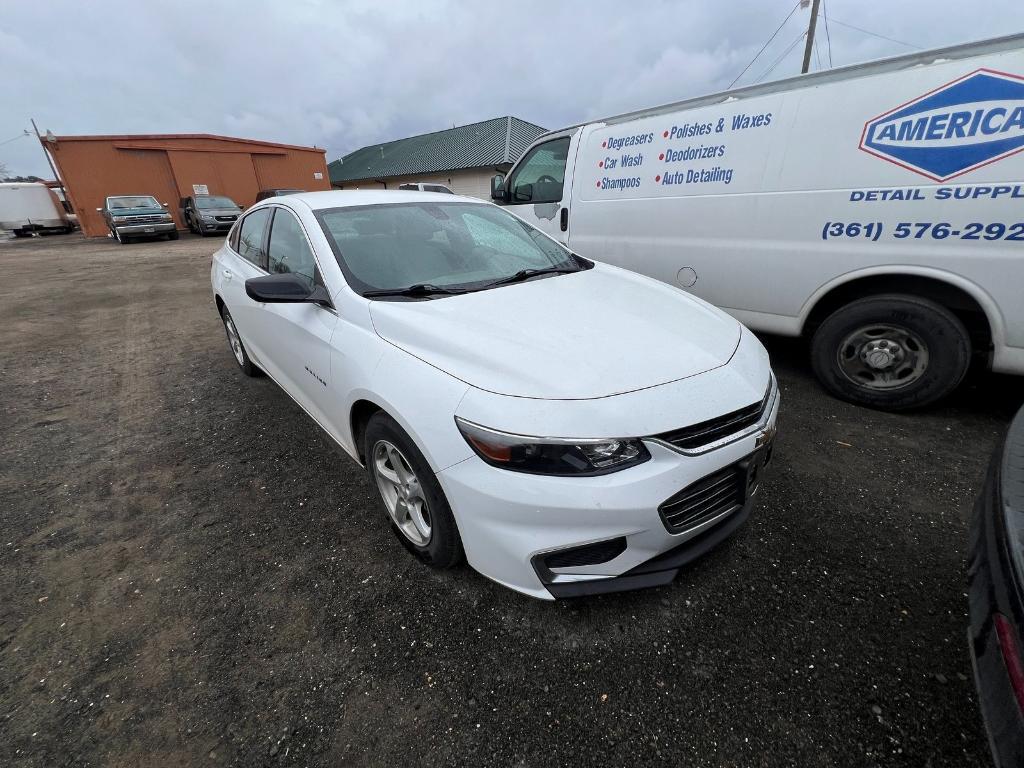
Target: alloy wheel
[402, 493]
[234, 340]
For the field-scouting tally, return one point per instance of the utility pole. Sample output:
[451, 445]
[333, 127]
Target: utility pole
[810, 32]
[49, 159]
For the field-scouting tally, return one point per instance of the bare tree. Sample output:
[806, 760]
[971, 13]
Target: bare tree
[3, 171]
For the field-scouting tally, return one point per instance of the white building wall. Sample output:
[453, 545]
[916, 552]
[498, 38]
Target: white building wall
[475, 182]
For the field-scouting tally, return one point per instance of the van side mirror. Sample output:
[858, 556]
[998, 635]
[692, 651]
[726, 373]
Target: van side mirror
[287, 288]
[523, 193]
[498, 188]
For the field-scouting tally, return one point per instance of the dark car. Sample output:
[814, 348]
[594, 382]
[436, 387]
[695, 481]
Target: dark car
[209, 214]
[137, 216]
[265, 193]
[996, 578]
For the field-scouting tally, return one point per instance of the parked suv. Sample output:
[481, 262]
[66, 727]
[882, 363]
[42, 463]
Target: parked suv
[205, 214]
[131, 216]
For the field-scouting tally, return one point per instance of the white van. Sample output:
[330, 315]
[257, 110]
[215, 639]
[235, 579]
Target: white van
[31, 207]
[877, 209]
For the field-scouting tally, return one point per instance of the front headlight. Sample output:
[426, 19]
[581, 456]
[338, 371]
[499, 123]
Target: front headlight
[167, 217]
[120, 219]
[552, 456]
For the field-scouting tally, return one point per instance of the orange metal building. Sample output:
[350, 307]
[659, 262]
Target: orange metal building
[170, 166]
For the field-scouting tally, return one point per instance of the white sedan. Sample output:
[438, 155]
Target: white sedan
[571, 427]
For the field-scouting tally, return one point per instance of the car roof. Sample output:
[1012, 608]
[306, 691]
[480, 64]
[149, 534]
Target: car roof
[344, 198]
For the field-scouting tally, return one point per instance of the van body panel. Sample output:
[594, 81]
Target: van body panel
[763, 199]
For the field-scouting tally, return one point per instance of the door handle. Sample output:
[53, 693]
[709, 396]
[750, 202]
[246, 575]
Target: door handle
[564, 220]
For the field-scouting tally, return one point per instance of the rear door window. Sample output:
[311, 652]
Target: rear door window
[251, 235]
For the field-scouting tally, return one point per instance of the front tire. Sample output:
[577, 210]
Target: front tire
[236, 345]
[416, 506]
[893, 352]
[173, 235]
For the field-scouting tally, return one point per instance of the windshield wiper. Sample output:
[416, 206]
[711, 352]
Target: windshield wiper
[419, 289]
[526, 274]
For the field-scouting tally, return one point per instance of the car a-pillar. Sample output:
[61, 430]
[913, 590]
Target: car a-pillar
[896, 342]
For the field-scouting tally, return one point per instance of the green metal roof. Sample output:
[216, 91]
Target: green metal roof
[477, 145]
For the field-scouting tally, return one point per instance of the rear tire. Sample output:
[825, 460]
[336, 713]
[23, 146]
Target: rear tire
[235, 344]
[385, 443]
[892, 352]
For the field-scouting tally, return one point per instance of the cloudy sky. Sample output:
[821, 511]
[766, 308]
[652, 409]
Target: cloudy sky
[345, 74]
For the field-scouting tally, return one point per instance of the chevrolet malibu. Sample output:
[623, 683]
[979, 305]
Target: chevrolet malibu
[570, 427]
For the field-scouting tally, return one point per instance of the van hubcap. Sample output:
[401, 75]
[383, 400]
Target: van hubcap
[883, 357]
[402, 493]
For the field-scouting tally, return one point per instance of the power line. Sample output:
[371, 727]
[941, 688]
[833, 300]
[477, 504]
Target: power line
[767, 43]
[828, 38]
[875, 34]
[21, 135]
[785, 53]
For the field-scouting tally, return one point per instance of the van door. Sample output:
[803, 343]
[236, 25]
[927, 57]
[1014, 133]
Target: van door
[539, 187]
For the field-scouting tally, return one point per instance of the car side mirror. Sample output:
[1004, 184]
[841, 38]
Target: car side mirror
[498, 187]
[523, 193]
[287, 288]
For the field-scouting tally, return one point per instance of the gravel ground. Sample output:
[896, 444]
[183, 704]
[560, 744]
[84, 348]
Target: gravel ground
[191, 573]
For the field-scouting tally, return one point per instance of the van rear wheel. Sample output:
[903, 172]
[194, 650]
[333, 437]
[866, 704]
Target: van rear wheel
[893, 352]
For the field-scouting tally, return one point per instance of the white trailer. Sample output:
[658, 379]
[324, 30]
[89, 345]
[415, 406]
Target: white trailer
[32, 207]
[877, 209]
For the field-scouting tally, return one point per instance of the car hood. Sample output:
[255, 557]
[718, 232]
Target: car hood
[588, 334]
[219, 211]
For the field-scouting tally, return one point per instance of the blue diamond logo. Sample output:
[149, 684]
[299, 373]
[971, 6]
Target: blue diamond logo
[963, 125]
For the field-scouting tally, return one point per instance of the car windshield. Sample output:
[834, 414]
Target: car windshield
[282, 192]
[214, 201]
[142, 201]
[444, 245]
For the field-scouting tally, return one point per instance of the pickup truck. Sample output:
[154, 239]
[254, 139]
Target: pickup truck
[137, 216]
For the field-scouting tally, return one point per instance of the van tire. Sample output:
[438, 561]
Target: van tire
[911, 338]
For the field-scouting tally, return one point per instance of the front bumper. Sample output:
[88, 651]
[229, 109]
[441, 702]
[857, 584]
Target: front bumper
[512, 522]
[156, 228]
[216, 226]
[995, 591]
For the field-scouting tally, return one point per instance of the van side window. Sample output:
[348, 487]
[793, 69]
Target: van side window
[541, 174]
[250, 239]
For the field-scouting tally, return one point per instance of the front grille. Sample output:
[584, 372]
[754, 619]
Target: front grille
[225, 218]
[154, 219]
[589, 554]
[706, 432]
[709, 497]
